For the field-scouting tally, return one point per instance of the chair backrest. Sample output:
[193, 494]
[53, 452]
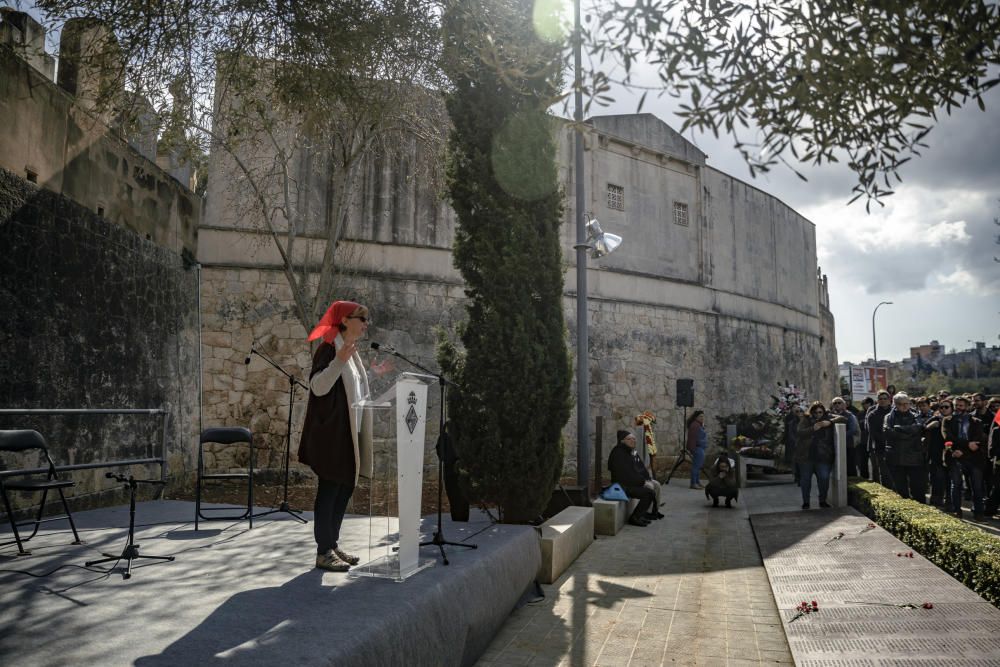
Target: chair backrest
[24, 440]
[19, 441]
[226, 435]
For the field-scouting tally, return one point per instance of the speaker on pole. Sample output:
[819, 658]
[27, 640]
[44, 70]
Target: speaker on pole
[685, 393]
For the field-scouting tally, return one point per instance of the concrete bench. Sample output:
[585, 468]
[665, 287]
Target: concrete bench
[741, 467]
[564, 537]
[610, 515]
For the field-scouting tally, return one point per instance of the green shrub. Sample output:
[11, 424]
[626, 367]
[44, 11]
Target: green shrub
[963, 551]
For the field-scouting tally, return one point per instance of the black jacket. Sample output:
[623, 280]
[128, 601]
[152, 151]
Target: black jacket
[626, 468]
[903, 433]
[875, 419]
[951, 432]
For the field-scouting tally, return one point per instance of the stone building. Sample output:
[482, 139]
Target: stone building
[97, 281]
[716, 281]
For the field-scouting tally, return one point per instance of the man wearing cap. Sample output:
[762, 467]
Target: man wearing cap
[628, 470]
[336, 438]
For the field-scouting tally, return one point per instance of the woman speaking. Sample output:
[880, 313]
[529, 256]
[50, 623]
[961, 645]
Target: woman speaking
[336, 439]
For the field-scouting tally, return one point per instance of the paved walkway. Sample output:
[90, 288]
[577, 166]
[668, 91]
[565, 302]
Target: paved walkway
[690, 589]
[693, 589]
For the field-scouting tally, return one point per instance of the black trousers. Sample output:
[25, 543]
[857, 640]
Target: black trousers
[910, 482]
[328, 513]
[646, 498]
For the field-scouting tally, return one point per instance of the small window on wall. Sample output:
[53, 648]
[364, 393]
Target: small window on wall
[680, 214]
[616, 197]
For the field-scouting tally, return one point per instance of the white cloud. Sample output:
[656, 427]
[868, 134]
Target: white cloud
[959, 280]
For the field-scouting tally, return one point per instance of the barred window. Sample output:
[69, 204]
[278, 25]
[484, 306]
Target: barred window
[616, 197]
[680, 213]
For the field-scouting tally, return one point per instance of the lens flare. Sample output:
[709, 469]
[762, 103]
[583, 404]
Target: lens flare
[552, 20]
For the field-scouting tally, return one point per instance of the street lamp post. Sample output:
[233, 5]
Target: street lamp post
[590, 239]
[874, 347]
[582, 375]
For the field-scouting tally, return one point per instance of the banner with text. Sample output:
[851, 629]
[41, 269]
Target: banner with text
[868, 380]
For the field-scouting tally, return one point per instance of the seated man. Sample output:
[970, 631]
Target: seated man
[722, 482]
[631, 474]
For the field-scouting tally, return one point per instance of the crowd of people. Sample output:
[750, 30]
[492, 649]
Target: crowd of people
[936, 449]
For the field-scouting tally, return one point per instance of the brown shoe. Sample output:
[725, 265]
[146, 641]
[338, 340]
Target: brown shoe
[350, 559]
[331, 562]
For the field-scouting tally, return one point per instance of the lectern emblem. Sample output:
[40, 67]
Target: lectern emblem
[411, 414]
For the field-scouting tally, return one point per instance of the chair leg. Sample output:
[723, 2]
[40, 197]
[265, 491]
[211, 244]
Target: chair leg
[250, 491]
[72, 525]
[13, 524]
[38, 519]
[197, 498]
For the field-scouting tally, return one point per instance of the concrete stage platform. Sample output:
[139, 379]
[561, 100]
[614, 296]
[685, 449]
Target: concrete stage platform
[252, 597]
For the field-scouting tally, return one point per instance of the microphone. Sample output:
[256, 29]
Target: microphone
[247, 360]
[384, 348]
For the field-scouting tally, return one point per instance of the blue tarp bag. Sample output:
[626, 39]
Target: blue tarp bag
[614, 492]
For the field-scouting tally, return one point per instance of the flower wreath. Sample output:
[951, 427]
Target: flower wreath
[646, 421]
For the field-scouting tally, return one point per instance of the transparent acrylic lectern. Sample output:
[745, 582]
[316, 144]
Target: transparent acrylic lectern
[401, 413]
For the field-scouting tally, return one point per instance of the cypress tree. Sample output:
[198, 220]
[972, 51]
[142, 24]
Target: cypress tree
[514, 371]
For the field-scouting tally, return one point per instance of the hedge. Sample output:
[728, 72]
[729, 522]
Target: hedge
[965, 552]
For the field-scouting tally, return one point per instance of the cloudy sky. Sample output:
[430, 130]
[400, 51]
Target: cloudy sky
[929, 251]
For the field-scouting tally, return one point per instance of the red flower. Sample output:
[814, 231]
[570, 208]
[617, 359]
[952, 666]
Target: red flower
[927, 605]
[948, 444]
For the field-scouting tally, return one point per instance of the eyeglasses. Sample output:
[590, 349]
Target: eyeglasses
[945, 407]
[363, 318]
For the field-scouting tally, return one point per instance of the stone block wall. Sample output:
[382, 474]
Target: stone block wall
[244, 307]
[46, 137]
[95, 316]
[637, 352]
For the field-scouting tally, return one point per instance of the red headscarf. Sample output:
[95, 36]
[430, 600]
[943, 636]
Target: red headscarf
[328, 326]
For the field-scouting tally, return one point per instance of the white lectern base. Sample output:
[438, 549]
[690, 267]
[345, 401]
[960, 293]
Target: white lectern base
[387, 567]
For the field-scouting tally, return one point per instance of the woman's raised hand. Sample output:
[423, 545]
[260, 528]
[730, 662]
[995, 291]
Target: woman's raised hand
[346, 352]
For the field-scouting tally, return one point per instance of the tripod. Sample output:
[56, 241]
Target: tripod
[438, 540]
[131, 551]
[684, 451]
[292, 382]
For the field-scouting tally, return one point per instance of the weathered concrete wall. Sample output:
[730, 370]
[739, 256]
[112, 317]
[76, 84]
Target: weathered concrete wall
[47, 137]
[95, 316]
[730, 300]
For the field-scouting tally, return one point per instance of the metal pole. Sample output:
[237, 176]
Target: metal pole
[874, 348]
[582, 355]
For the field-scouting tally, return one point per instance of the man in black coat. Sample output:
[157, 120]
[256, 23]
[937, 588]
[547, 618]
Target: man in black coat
[965, 455]
[628, 470]
[876, 439]
[904, 449]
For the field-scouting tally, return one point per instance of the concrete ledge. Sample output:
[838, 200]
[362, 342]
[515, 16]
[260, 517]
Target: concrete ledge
[609, 516]
[564, 537]
[741, 468]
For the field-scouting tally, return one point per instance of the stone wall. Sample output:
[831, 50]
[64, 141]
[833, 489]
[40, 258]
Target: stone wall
[730, 299]
[95, 316]
[253, 307]
[48, 139]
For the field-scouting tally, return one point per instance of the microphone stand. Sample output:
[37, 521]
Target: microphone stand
[292, 382]
[131, 550]
[438, 540]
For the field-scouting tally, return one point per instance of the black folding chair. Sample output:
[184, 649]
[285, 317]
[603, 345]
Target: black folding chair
[224, 436]
[19, 442]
